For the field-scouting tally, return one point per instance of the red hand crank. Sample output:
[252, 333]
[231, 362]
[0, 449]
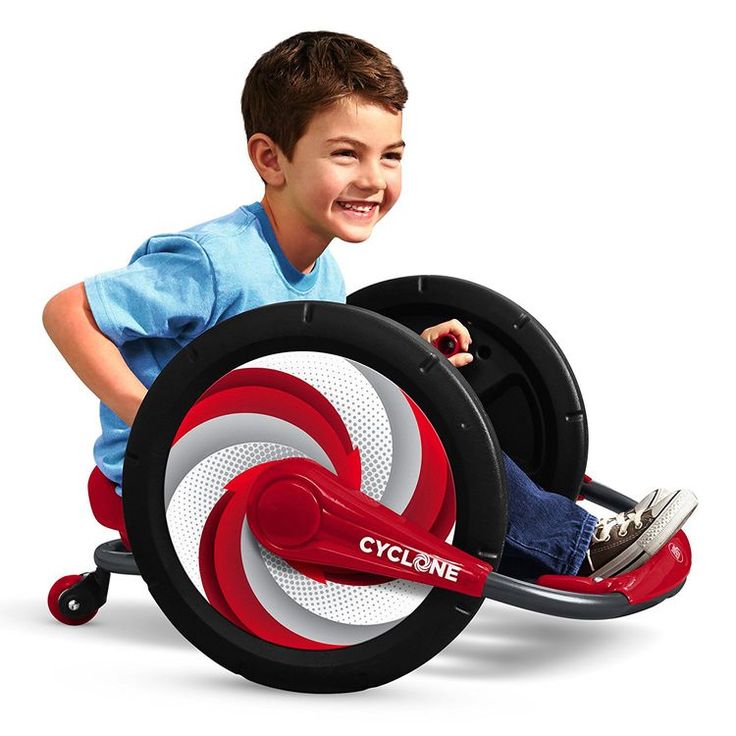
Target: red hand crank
[301, 512]
[447, 344]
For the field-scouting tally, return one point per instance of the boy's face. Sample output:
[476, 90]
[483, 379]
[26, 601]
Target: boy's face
[325, 174]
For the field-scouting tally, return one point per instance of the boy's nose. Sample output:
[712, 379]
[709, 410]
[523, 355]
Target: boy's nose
[371, 177]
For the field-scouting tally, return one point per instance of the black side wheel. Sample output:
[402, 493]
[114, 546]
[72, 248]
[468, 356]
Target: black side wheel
[519, 373]
[370, 401]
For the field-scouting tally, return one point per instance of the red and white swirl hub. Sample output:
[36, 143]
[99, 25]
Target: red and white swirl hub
[309, 500]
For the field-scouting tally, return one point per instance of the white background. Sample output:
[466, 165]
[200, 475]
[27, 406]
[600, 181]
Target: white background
[578, 157]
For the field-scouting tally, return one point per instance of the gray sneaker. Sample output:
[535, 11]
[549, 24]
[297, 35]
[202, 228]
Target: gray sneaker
[624, 542]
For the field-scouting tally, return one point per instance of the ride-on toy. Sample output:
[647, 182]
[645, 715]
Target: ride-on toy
[315, 496]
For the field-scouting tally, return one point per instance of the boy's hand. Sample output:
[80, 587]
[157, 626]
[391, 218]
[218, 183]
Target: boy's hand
[460, 332]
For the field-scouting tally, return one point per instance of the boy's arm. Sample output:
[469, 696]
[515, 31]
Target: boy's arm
[92, 356]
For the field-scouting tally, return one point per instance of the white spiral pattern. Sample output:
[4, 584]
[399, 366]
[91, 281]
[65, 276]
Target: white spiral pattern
[380, 424]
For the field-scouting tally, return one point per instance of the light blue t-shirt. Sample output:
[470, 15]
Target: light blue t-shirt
[176, 286]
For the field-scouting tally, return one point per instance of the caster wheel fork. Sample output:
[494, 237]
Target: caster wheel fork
[75, 599]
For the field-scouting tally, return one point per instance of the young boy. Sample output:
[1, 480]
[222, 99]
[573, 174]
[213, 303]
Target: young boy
[323, 120]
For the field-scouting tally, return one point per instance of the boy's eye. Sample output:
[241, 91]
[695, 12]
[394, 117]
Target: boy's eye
[348, 152]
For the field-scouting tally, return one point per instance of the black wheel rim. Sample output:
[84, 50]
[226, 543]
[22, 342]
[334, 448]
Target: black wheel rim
[519, 373]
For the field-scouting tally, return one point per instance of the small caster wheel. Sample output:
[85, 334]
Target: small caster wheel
[70, 611]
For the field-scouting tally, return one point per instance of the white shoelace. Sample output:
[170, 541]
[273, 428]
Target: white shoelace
[602, 531]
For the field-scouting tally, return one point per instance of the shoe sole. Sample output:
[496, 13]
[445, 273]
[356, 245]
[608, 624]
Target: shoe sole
[665, 526]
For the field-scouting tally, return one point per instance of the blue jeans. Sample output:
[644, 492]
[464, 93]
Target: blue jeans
[546, 533]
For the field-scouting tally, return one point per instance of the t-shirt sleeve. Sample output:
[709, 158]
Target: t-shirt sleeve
[167, 290]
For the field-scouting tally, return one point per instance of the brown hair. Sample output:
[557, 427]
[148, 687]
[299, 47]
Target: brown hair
[308, 72]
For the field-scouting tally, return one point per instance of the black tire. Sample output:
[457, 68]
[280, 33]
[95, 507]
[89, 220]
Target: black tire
[519, 373]
[414, 366]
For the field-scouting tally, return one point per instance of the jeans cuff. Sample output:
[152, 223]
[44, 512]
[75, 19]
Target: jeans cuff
[577, 556]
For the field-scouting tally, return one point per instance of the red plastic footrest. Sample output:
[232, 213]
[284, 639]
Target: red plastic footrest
[656, 577]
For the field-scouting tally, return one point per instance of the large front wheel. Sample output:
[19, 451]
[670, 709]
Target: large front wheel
[369, 401]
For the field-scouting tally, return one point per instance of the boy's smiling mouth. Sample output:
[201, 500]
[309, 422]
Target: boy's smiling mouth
[359, 209]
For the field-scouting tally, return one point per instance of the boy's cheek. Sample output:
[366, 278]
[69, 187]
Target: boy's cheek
[387, 206]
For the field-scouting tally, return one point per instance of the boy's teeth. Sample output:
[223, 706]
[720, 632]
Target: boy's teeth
[360, 208]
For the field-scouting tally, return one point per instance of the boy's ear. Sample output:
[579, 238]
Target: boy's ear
[266, 157]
